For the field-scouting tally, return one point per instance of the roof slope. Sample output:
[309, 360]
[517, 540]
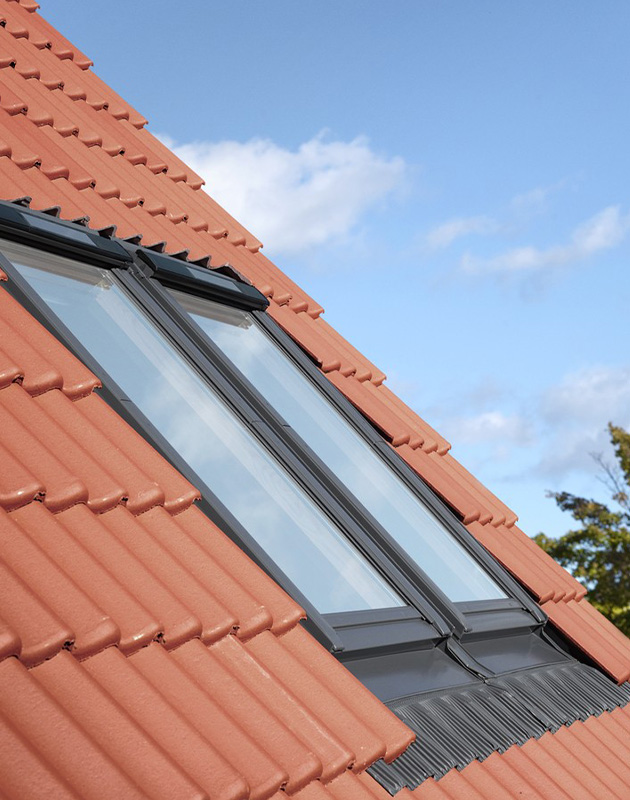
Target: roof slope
[124, 608]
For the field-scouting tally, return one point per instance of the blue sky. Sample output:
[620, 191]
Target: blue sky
[449, 179]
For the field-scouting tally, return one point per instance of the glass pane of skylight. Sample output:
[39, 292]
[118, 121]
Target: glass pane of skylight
[344, 451]
[247, 479]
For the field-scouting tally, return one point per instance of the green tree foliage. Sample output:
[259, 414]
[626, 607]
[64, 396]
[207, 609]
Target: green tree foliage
[597, 552]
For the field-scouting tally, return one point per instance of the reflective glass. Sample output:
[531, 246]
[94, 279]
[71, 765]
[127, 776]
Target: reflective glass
[344, 451]
[291, 528]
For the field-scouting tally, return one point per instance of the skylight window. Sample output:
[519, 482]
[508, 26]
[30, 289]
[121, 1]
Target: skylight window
[401, 513]
[246, 478]
[286, 466]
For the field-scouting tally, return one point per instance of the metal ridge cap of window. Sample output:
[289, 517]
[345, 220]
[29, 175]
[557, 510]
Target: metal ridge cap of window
[39, 230]
[203, 281]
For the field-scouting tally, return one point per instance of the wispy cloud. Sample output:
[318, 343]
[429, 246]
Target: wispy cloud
[548, 436]
[535, 201]
[520, 209]
[603, 231]
[295, 199]
[576, 413]
[445, 234]
[490, 426]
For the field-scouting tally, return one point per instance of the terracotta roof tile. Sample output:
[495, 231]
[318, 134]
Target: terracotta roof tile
[585, 760]
[41, 31]
[41, 432]
[10, 642]
[352, 692]
[199, 559]
[250, 710]
[163, 689]
[536, 569]
[39, 357]
[501, 514]
[431, 470]
[334, 753]
[73, 705]
[141, 493]
[594, 634]
[178, 493]
[41, 633]
[60, 486]
[26, 773]
[51, 754]
[176, 622]
[285, 612]
[348, 723]
[92, 628]
[97, 578]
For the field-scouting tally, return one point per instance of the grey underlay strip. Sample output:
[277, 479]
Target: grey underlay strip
[455, 727]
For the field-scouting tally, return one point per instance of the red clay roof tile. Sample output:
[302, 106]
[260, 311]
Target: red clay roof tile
[182, 692]
[430, 469]
[60, 487]
[41, 442]
[250, 711]
[41, 633]
[10, 642]
[98, 704]
[144, 467]
[206, 617]
[579, 762]
[246, 613]
[141, 493]
[352, 692]
[334, 753]
[41, 359]
[594, 634]
[92, 628]
[346, 724]
[177, 623]
[536, 569]
[26, 774]
[96, 578]
[59, 750]
[284, 611]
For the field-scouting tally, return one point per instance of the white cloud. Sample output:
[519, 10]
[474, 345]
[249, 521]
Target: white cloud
[534, 201]
[294, 199]
[446, 233]
[489, 426]
[576, 413]
[585, 395]
[603, 231]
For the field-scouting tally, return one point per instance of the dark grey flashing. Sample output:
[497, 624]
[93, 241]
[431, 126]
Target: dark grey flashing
[457, 726]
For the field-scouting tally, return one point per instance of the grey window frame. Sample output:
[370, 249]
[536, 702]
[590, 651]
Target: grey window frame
[430, 619]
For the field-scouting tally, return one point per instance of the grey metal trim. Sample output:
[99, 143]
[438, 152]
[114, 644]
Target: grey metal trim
[456, 726]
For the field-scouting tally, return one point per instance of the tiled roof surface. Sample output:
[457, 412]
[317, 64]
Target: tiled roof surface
[124, 609]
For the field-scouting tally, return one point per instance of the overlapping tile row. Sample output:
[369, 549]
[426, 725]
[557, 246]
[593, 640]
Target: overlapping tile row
[195, 721]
